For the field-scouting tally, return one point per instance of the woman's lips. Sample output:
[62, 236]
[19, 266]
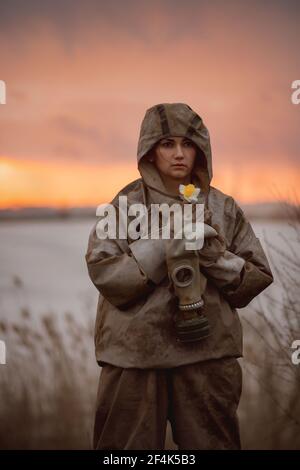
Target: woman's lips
[179, 165]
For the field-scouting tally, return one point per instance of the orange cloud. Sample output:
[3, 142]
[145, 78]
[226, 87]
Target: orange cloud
[31, 183]
[255, 182]
[80, 85]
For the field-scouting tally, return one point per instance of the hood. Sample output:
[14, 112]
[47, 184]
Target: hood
[174, 119]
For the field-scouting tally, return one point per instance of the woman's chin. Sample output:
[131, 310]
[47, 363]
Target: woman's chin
[179, 173]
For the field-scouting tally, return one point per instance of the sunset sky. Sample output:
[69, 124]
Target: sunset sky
[80, 76]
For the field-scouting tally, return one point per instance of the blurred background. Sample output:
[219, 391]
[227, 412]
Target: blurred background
[79, 78]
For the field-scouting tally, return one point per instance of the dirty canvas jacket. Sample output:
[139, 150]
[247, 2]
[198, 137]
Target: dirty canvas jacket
[134, 325]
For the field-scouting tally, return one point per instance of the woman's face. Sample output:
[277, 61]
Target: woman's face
[174, 157]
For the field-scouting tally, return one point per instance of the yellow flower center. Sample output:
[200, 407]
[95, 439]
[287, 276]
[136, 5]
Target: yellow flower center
[189, 190]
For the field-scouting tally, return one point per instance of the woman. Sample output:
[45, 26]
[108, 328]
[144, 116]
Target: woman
[148, 376]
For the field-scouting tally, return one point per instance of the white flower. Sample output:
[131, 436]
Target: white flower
[189, 192]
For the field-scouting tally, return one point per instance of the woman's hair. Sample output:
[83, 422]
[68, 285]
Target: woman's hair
[150, 154]
[200, 158]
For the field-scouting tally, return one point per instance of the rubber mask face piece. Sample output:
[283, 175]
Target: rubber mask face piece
[189, 285]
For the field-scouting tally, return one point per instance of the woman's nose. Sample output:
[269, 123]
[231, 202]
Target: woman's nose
[179, 151]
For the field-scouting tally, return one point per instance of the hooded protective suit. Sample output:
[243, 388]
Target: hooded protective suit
[134, 326]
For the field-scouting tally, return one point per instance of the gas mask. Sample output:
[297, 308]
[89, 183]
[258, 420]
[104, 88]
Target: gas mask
[189, 285]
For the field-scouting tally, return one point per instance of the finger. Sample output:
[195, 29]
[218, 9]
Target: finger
[209, 231]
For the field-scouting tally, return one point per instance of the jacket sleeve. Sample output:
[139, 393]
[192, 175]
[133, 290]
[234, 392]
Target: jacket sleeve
[245, 272]
[114, 272]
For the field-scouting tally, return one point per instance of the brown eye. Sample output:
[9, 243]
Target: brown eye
[188, 143]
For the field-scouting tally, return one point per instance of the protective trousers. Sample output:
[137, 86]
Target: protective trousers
[200, 401]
